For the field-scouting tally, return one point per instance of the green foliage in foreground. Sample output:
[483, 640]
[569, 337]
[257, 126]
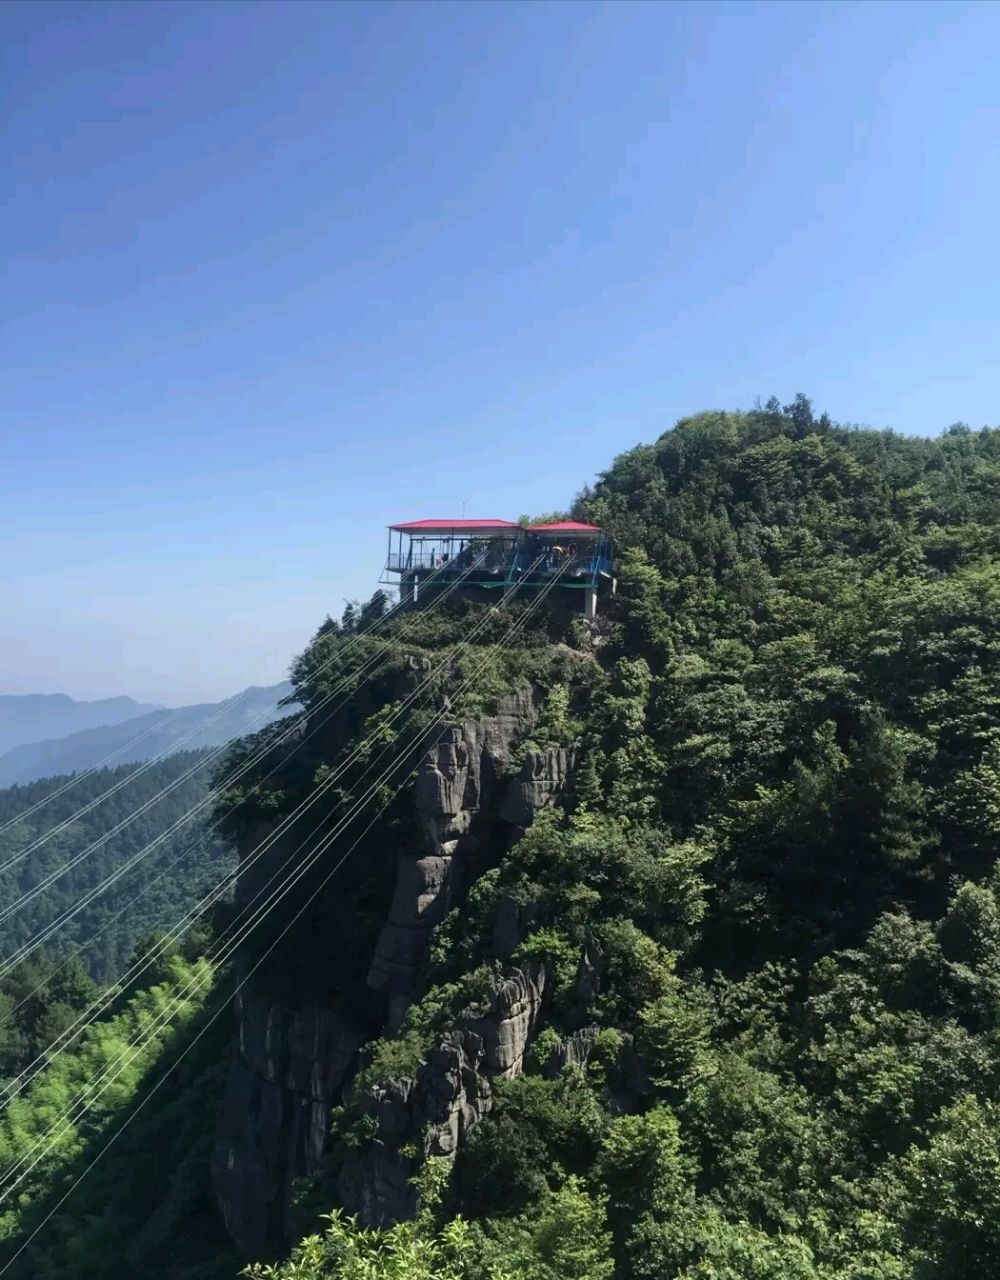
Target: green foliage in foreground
[145, 1207]
[566, 1237]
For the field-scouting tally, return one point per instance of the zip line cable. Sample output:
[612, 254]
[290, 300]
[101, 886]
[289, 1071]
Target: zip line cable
[102, 1001]
[200, 764]
[107, 997]
[300, 871]
[349, 816]
[248, 926]
[272, 837]
[227, 706]
[382, 658]
[379, 658]
[162, 1080]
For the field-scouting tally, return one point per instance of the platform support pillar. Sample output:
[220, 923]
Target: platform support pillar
[590, 602]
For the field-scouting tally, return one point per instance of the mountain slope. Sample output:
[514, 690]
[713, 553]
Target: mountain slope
[728, 1006]
[678, 955]
[154, 894]
[34, 717]
[162, 731]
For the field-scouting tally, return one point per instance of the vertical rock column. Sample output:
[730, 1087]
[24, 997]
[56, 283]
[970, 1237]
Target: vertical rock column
[459, 791]
[286, 1074]
[437, 1106]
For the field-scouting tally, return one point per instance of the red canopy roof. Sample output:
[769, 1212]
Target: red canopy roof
[565, 526]
[447, 526]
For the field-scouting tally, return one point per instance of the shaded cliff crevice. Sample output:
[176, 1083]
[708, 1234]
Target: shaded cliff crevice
[286, 1073]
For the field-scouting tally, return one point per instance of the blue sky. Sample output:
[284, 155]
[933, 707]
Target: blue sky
[279, 274]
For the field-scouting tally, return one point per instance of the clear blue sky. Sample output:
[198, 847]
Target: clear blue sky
[279, 274]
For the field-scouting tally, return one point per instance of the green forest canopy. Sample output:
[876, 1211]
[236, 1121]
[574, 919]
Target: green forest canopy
[153, 894]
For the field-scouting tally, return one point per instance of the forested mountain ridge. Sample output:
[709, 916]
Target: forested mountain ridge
[679, 956]
[818, 609]
[145, 736]
[31, 717]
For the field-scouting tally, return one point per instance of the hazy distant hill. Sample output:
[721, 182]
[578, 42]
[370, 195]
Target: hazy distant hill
[208, 723]
[34, 717]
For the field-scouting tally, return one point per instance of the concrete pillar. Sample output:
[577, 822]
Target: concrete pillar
[416, 588]
[590, 602]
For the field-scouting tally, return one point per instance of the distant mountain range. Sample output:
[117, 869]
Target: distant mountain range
[33, 717]
[137, 735]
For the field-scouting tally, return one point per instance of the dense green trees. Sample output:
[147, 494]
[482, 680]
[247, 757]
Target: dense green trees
[153, 894]
[149, 1074]
[40, 1000]
[780, 860]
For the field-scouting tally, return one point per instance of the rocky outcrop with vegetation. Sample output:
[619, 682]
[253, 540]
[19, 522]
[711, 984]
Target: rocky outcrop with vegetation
[291, 1064]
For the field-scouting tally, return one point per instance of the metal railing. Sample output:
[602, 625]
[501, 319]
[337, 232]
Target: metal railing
[406, 562]
[401, 561]
[510, 565]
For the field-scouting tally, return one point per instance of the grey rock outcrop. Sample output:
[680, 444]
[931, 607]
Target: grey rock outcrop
[442, 1101]
[470, 808]
[628, 1078]
[449, 1093]
[590, 971]
[456, 785]
[290, 1068]
[507, 1027]
[540, 780]
[512, 923]
[574, 1051]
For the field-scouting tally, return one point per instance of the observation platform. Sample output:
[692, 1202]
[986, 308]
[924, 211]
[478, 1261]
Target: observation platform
[499, 555]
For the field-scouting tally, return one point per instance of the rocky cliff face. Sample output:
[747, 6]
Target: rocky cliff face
[439, 1104]
[290, 1066]
[286, 1073]
[471, 807]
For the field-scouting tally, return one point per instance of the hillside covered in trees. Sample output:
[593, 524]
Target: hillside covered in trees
[89, 834]
[762, 917]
